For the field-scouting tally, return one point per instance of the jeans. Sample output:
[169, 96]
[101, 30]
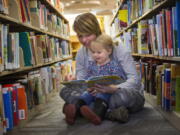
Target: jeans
[89, 98]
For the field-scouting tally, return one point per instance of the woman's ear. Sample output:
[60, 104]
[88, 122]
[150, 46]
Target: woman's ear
[110, 51]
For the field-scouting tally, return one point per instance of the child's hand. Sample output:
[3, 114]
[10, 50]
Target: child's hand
[92, 91]
[70, 77]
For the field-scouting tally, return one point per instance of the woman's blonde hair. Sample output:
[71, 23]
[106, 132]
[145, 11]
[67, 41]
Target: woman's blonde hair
[105, 41]
[86, 24]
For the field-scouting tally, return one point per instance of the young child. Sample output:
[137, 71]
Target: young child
[100, 64]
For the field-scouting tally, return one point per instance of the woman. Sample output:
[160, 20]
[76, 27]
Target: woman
[126, 97]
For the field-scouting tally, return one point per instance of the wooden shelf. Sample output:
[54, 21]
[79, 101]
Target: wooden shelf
[172, 117]
[52, 8]
[27, 69]
[166, 58]
[15, 25]
[120, 6]
[75, 44]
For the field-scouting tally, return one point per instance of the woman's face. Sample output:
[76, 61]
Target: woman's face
[86, 39]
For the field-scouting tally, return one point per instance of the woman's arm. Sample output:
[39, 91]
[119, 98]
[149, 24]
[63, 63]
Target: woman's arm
[81, 63]
[125, 59]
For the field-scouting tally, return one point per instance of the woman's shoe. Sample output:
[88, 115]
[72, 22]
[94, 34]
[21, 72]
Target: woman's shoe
[120, 114]
[90, 115]
[70, 113]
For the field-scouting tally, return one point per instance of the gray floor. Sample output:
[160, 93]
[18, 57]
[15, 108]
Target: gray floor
[51, 122]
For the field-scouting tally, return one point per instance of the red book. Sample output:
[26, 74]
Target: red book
[168, 14]
[23, 16]
[22, 102]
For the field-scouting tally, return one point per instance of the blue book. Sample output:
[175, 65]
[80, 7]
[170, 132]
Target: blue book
[174, 23]
[167, 91]
[178, 24]
[7, 94]
[24, 43]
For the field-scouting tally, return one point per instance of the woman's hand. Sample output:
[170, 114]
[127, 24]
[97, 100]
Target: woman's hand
[70, 77]
[105, 89]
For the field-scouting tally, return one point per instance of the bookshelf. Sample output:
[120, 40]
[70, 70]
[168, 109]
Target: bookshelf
[152, 35]
[35, 55]
[148, 14]
[75, 45]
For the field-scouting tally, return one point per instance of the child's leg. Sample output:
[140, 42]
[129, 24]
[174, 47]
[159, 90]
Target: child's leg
[71, 111]
[87, 98]
[97, 114]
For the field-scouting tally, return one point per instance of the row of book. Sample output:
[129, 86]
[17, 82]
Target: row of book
[158, 36]
[137, 8]
[57, 4]
[162, 80]
[22, 94]
[131, 10]
[35, 13]
[19, 49]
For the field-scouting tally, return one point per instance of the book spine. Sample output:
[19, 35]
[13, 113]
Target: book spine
[177, 90]
[167, 95]
[7, 94]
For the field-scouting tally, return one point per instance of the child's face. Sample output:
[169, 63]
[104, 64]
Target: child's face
[100, 54]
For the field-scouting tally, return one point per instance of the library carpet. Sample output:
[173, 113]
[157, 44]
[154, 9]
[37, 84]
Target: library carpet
[50, 121]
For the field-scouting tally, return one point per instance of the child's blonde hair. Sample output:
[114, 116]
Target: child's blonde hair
[105, 41]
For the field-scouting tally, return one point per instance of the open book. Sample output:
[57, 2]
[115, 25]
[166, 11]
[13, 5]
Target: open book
[101, 80]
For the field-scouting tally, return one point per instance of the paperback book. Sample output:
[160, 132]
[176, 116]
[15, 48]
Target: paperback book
[101, 80]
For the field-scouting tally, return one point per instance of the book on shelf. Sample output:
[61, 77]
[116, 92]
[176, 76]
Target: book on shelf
[143, 37]
[152, 36]
[1, 49]
[4, 7]
[167, 90]
[159, 70]
[123, 17]
[27, 10]
[101, 80]
[8, 111]
[168, 14]
[34, 13]
[175, 72]
[22, 102]
[174, 31]
[2, 113]
[177, 90]
[25, 44]
[14, 10]
[14, 98]
[178, 25]
[158, 30]
[164, 31]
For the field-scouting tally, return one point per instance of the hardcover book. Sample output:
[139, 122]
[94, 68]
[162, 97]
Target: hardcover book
[101, 80]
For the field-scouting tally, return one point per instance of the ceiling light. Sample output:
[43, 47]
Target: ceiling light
[84, 4]
[104, 12]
